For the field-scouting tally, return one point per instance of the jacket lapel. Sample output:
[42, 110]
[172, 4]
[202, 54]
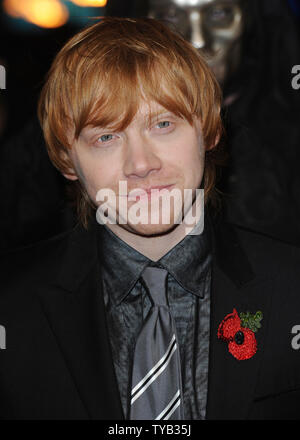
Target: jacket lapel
[74, 307]
[232, 382]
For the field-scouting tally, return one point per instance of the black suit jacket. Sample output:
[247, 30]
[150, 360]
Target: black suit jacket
[58, 364]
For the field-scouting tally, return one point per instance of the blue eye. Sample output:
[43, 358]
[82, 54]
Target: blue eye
[164, 124]
[105, 137]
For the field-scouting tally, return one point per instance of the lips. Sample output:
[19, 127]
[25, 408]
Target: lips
[139, 193]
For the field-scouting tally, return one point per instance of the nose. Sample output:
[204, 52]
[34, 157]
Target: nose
[140, 159]
[197, 38]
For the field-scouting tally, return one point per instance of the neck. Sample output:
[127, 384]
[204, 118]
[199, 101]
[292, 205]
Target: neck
[156, 247]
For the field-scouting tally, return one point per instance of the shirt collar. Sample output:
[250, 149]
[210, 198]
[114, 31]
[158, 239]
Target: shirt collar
[122, 265]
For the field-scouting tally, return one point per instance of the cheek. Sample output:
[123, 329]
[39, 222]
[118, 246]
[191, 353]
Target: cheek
[99, 175]
[194, 153]
[194, 163]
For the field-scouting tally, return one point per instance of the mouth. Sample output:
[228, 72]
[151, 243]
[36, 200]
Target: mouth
[147, 193]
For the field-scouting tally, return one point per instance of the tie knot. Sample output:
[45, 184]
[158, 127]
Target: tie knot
[155, 280]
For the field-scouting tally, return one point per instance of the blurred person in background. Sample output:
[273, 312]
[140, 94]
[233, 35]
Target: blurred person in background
[213, 26]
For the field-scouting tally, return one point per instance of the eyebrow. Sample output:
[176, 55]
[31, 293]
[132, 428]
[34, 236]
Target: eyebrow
[155, 115]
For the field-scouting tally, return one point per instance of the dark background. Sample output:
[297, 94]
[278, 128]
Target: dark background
[261, 183]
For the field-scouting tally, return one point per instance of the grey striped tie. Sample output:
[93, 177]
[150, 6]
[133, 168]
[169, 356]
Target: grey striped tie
[156, 377]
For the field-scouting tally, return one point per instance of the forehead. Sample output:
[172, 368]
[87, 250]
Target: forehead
[149, 111]
[149, 108]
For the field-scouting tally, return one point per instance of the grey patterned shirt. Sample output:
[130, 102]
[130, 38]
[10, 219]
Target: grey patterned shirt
[127, 304]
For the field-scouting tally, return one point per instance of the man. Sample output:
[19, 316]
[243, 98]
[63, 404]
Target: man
[148, 319]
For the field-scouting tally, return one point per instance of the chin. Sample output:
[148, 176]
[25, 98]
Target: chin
[151, 230]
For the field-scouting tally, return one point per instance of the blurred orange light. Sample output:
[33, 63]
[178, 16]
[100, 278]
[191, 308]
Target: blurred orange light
[43, 13]
[94, 3]
[13, 7]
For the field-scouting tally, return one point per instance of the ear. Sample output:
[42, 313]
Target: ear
[70, 175]
[214, 144]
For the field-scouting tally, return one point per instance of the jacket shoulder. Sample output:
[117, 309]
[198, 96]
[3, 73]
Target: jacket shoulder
[33, 262]
[267, 254]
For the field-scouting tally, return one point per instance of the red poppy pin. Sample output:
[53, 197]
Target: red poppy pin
[238, 332]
